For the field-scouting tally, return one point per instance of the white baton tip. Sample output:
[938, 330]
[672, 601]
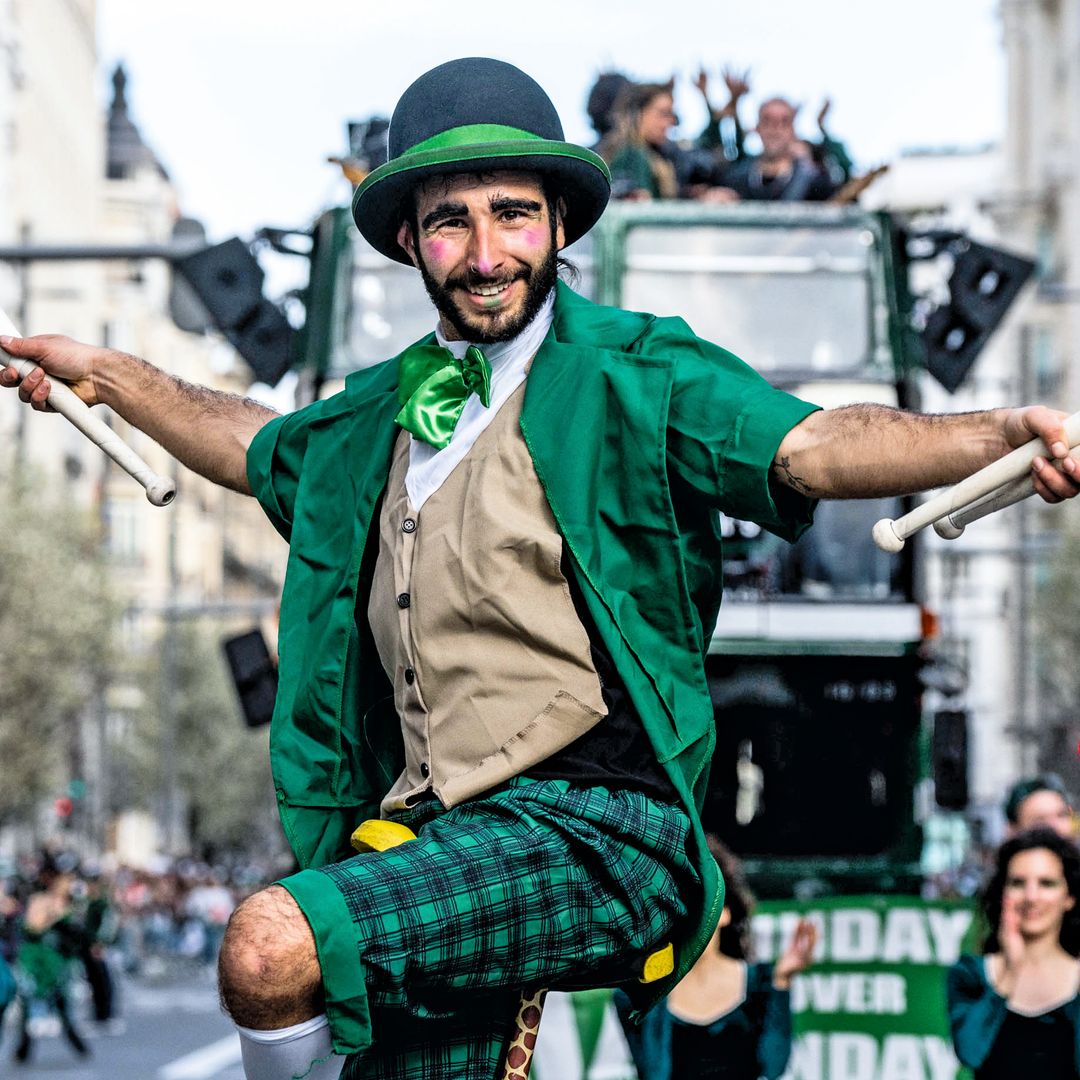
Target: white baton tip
[947, 530]
[885, 537]
[161, 491]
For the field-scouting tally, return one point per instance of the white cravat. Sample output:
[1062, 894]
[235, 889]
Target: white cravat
[429, 467]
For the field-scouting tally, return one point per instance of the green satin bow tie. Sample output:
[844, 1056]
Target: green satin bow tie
[433, 386]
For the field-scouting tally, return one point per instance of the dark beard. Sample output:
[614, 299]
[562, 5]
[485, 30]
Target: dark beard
[538, 284]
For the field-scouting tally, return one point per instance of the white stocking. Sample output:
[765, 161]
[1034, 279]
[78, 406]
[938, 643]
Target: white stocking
[301, 1052]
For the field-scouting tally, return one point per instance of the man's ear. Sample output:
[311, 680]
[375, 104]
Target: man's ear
[560, 216]
[407, 241]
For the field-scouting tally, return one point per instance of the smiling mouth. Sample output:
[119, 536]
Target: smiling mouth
[489, 290]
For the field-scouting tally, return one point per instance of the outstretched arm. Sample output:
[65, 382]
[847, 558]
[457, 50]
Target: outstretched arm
[868, 451]
[208, 431]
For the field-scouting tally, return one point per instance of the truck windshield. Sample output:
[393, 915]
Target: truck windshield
[387, 308]
[835, 560]
[791, 299]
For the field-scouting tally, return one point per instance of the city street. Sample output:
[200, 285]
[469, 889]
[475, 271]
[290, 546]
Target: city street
[171, 1029]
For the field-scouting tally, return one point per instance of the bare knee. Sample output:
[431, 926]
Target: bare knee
[268, 969]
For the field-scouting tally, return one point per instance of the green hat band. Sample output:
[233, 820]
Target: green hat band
[470, 135]
[490, 141]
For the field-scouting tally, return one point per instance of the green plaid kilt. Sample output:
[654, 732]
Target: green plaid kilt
[426, 948]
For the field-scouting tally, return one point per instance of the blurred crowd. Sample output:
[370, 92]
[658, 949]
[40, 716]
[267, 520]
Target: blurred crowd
[634, 122]
[63, 922]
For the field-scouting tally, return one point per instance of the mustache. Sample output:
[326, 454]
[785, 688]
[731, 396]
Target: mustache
[472, 279]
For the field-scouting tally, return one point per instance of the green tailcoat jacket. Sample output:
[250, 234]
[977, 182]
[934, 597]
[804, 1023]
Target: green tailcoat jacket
[639, 432]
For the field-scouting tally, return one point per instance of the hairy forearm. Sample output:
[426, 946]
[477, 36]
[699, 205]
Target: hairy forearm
[868, 451]
[207, 430]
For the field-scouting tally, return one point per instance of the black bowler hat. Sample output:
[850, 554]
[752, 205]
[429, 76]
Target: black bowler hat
[476, 115]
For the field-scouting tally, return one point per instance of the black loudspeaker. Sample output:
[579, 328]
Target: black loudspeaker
[950, 759]
[228, 280]
[983, 284]
[254, 674]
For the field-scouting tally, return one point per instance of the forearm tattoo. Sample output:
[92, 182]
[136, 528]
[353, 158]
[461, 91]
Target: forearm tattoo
[782, 472]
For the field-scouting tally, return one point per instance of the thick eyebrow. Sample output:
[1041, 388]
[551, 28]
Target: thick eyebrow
[444, 210]
[506, 202]
[497, 204]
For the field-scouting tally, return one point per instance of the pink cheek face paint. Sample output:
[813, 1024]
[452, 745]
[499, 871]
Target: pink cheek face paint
[533, 237]
[437, 250]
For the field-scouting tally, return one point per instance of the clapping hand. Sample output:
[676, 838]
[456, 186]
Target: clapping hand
[797, 956]
[1009, 936]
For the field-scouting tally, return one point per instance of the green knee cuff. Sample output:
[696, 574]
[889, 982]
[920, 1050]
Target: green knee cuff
[342, 972]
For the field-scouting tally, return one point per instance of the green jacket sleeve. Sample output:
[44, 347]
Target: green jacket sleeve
[731, 140]
[834, 151]
[274, 462]
[725, 425]
[711, 137]
[976, 1010]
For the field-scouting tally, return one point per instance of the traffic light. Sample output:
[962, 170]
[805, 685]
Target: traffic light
[255, 675]
[228, 281]
[950, 759]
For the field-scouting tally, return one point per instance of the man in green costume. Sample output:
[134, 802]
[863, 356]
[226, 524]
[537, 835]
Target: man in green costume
[504, 572]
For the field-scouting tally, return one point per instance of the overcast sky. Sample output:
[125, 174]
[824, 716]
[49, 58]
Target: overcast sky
[243, 100]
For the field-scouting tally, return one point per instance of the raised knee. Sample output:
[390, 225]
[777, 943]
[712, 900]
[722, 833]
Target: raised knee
[268, 969]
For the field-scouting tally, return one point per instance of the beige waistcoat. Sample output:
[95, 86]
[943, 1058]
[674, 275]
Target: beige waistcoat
[475, 624]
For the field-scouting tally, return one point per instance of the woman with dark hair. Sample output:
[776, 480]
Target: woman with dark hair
[727, 1018]
[1015, 1011]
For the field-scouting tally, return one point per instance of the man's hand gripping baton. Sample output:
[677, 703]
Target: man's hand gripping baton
[997, 485]
[159, 489]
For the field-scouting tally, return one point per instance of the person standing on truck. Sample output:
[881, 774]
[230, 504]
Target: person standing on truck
[785, 170]
[503, 576]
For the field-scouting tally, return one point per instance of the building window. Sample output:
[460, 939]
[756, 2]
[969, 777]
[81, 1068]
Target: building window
[123, 531]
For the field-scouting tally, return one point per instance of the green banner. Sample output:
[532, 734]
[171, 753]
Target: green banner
[872, 1006]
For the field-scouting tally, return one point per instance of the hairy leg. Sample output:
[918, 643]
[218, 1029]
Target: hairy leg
[268, 969]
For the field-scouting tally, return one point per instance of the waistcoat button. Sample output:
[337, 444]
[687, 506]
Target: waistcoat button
[410, 676]
[403, 600]
[408, 525]
[424, 770]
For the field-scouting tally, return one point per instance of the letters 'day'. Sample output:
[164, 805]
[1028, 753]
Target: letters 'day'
[873, 1005]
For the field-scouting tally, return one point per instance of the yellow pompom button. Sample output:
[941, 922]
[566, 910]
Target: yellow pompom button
[377, 835]
[660, 964]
